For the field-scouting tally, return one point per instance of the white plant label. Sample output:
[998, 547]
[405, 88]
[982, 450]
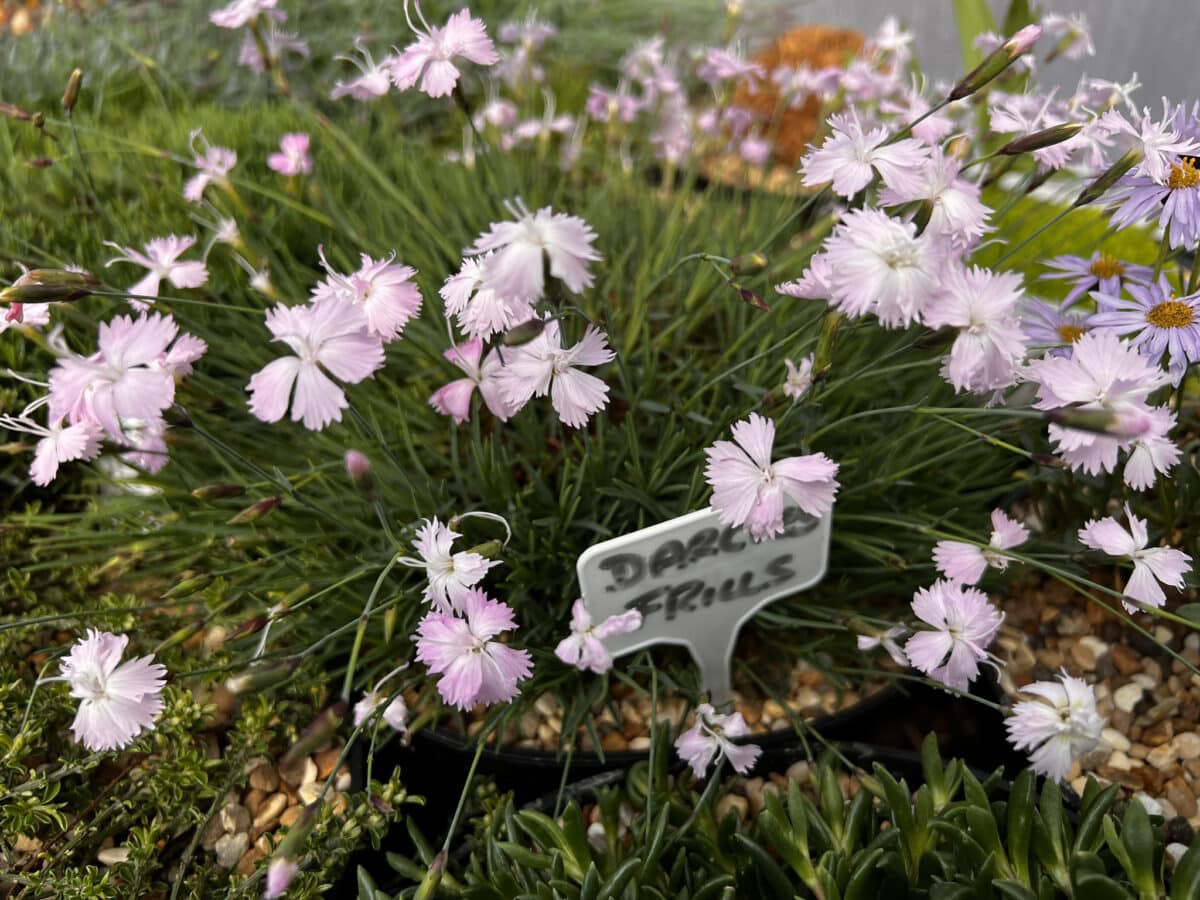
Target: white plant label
[696, 582]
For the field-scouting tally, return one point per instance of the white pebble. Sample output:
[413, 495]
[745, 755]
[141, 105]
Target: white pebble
[110, 856]
[1186, 745]
[1127, 697]
[1120, 761]
[1152, 806]
[1176, 851]
[1116, 740]
[230, 849]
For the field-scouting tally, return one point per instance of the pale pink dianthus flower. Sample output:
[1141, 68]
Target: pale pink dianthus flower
[710, 735]
[750, 489]
[963, 624]
[544, 365]
[117, 701]
[293, 157]
[428, 58]
[382, 288]
[161, 260]
[1152, 566]
[474, 665]
[325, 337]
[584, 647]
[516, 272]
[966, 563]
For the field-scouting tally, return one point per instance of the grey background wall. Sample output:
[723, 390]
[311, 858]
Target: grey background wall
[1158, 39]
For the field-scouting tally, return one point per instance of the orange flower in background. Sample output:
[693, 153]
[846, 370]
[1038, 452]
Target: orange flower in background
[18, 17]
[815, 46]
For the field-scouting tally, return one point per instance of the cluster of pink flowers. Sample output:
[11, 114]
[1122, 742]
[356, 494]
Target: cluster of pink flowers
[909, 219]
[653, 92]
[900, 254]
[119, 393]
[497, 292]
[427, 63]
[340, 332]
[458, 638]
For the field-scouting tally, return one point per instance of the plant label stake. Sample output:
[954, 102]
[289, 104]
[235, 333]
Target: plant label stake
[696, 582]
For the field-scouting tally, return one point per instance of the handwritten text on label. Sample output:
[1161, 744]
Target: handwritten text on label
[696, 582]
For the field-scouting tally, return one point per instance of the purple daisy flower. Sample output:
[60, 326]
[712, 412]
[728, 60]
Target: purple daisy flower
[1176, 202]
[1159, 321]
[1049, 325]
[1103, 271]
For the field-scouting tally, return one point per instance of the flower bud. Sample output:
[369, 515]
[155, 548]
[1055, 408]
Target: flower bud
[1022, 42]
[49, 286]
[1124, 424]
[750, 298]
[218, 491]
[71, 94]
[180, 635]
[39, 120]
[280, 873]
[996, 62]
[433, 878]
[15, 448]
[1038, 140]
[389, 623]
[320, 730]
[255, 512]
[262, 677]
[1108, 178]
[524, 333]
[748, 263]
[488, 549]
[358, 467]
[188, 586]
[247, 628]
[10, 111]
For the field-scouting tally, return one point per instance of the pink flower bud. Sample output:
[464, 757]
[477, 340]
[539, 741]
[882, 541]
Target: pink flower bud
[1022, 42]
[279, 876]
[358, 466]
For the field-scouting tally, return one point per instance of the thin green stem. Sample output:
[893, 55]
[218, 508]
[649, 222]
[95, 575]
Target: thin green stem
[363, 621]
[462, 798]
[709, 789]
[1041, 229]
[87, 172]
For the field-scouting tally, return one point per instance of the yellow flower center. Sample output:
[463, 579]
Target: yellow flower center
[1171, 314]
[1107, 266]
[1070, 333]
[1183, 174]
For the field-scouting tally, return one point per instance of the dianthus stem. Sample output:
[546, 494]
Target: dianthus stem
[462, 798]
[1032, 237]
[364, 619]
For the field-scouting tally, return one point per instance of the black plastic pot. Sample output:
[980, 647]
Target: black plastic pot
[904, 764]
[887, 727]
[898, 717]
